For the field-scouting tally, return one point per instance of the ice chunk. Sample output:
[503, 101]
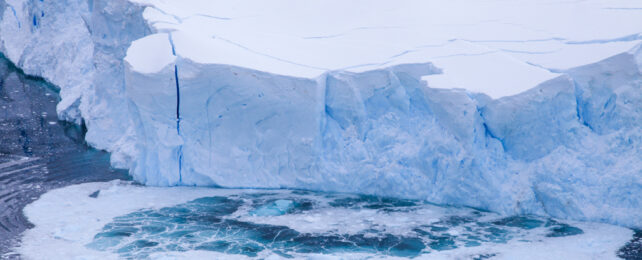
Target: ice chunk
[275, 208]
[151, 54]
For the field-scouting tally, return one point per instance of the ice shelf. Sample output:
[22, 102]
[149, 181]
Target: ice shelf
[528, 107]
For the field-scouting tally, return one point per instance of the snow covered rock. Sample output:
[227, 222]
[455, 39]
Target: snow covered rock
[481, 104]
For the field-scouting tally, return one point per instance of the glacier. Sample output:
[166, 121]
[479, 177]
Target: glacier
[483, 104]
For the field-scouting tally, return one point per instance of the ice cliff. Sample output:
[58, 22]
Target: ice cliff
[483, 104]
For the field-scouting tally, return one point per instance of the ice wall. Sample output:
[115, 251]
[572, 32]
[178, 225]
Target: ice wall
[563, 148]
[579, 139]
[196, 100]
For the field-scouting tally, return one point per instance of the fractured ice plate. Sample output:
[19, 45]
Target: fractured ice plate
[495, 47]
[184, 223]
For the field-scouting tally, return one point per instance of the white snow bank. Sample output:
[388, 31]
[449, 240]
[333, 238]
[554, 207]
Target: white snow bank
[493, 47]
[150, 54]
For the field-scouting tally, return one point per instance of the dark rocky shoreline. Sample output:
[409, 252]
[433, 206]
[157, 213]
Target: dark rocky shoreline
[37, 151]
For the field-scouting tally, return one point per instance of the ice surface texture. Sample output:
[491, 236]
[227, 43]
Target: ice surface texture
[477, 104]
[223, 224]
[90, 221]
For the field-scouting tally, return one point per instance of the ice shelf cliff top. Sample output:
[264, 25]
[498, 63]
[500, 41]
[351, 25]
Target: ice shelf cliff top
[499, 48]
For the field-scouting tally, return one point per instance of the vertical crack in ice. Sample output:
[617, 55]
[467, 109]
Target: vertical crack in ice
[578, 105]
[209, 129]
[322, 111]
[487, 130]
[178, 124]
[491, 135]
[178, 113]
[178, 101]
[16, 16]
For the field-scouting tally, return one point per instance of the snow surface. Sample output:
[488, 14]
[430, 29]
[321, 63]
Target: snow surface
[144, 53]
[476, 44]
[516, 107]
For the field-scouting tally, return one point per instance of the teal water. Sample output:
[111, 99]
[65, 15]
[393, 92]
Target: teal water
[233, 225]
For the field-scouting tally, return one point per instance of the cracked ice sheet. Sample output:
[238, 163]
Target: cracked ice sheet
[511, 42]
[66, 225]
[560, 56]
[67, 219]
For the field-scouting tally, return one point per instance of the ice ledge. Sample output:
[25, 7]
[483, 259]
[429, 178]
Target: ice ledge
[151, 54]
[500, 50]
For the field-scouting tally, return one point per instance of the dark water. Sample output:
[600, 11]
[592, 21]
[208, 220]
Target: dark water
[37, 152]
[633, 249]
[218, 224]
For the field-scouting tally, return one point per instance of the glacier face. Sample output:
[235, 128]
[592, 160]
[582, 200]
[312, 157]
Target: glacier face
[383, 132]
[549, 120]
